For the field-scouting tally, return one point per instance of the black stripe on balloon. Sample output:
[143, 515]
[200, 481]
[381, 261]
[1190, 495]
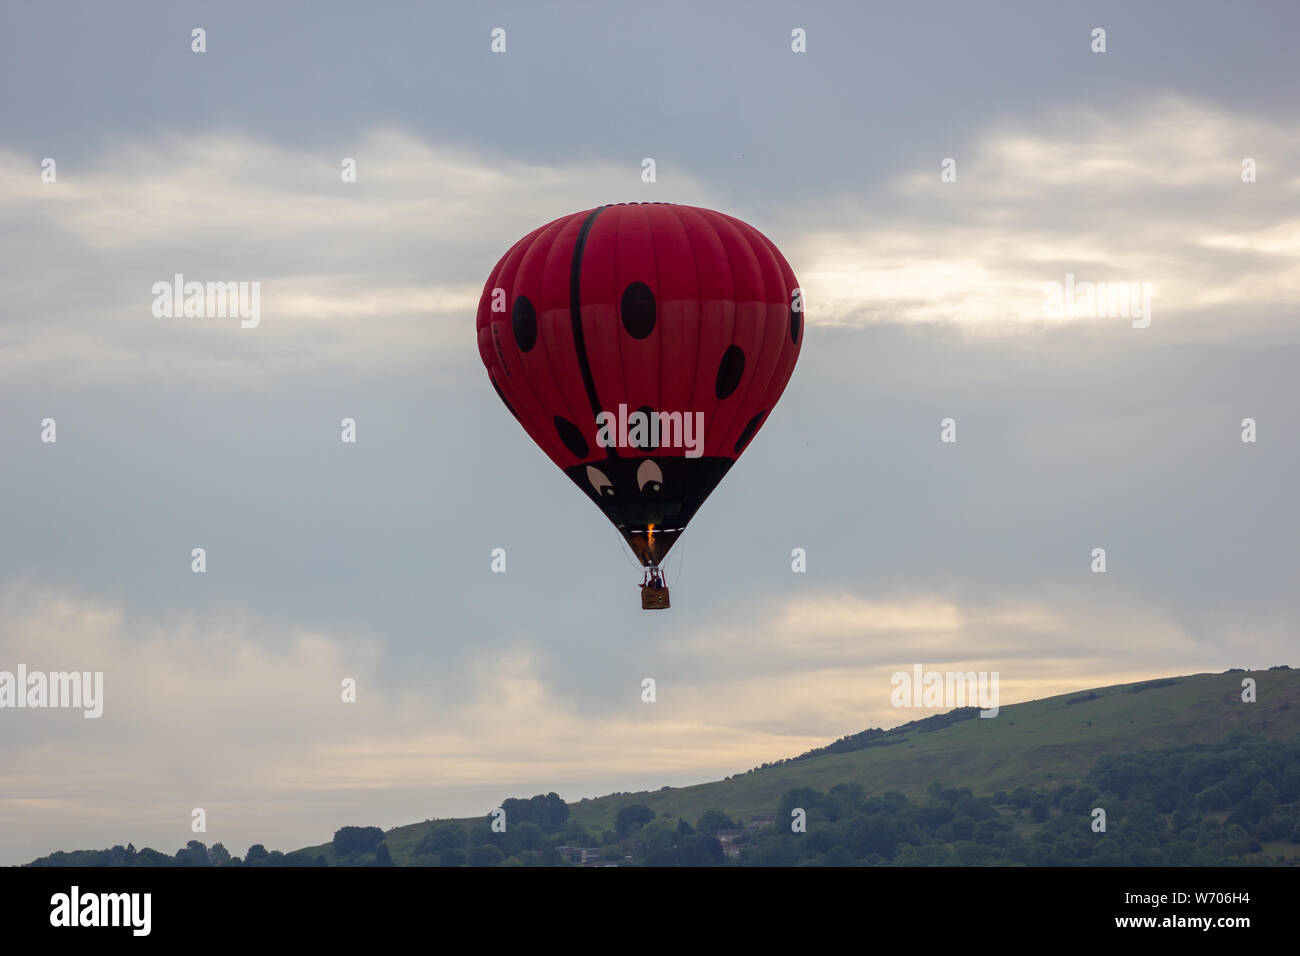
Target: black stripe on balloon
[501, 395]
[575, 314]
[576, 310]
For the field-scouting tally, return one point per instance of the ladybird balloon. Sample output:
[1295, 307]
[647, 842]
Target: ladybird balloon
[642, 346]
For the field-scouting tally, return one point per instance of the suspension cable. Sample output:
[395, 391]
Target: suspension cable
[625, 550]
[681, 558]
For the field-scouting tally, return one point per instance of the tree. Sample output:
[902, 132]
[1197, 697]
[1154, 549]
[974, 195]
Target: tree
[696, 850]
[711, 821]
[256, 855]
[486, 855]
[194, 854]
[357, 839]
[529, 836]
[1040, 808]
[382, 856]
[443, 836]
[656, 840]
[1257, 806]
[548, 811]
[551, 857]
[632, 817]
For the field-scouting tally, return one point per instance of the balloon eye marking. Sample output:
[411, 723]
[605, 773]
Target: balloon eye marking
[524, 319]
[600, 482]
[638, 310]
[649, 476]
[730, 369]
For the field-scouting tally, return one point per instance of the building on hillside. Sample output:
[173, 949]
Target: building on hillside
[728, 840]
[581, 855]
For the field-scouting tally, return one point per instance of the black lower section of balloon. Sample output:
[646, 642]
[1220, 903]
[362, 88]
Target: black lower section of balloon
[651, 515]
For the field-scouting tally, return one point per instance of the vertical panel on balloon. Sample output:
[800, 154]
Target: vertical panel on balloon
[717, 312]
[733, 365]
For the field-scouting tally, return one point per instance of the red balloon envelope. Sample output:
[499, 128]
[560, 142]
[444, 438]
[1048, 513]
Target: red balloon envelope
[642, 345]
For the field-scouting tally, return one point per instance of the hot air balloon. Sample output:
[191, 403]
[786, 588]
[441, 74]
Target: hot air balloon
[642, 346]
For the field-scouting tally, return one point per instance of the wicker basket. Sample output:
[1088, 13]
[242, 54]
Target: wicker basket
[653, 599]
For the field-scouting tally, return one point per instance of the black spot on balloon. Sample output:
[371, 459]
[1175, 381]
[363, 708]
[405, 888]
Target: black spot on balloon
[501, 395]
[571, 437]
[730, 369]
[524, 318]
[638, 310]
[796, 324]
[748, 433]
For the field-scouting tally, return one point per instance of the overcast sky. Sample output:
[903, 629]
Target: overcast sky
[926, 300]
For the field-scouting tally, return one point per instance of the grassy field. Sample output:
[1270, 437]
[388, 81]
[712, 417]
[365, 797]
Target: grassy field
[1039, 744]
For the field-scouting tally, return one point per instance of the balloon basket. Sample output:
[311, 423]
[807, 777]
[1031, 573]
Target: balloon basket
[653, 599]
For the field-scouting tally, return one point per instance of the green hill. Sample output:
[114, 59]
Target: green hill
[1038, 744]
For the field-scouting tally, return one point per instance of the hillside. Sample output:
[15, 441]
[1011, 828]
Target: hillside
[1041, 743]
[1036, 744]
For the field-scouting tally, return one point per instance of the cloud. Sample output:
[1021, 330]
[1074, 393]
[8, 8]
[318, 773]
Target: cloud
[219, 712]
[824, 660]
[1151, 192]
[814, 629]
[363, 276]
[387, 271]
